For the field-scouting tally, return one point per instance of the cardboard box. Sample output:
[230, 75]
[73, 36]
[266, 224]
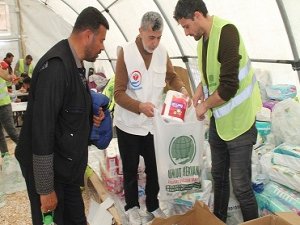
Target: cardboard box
[281, 218]
[198, 215]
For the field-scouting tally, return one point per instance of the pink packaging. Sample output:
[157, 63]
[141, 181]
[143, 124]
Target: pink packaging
[113, 184]
[174, 106]
[270, 104]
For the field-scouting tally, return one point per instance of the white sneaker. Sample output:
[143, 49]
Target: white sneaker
[158, 213]
[134, 216]
[147, 217]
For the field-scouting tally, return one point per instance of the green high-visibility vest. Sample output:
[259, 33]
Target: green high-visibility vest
[109, 92]
[4, 96]
[237, 115]
[22, 67]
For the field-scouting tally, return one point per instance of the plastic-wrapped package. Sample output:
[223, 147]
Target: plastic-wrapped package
[270, 104]
[281, 91]
[263, 128]
[264, 114]
[285, 176]
[277, 198]
[287, 155]
[285, 122]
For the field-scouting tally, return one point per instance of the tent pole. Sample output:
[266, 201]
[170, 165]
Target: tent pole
[116, 23]
[22, 48]
[184, 58]
[289, 32]
[107, 11]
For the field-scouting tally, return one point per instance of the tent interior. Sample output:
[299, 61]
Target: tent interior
[269, 28]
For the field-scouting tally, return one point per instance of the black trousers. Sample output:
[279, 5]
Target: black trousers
[131, 147]
[70, 208]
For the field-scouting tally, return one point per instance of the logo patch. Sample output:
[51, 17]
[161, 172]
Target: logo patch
[182, 149]
[135, 79]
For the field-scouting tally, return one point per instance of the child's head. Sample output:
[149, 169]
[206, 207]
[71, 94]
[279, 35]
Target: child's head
[26, 83]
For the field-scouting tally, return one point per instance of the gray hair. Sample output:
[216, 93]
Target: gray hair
[152, 20]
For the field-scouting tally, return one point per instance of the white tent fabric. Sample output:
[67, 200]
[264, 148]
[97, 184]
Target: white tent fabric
[269, 29]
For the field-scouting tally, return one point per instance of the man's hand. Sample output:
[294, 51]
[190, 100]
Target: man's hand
[198, 96]
[201, 109]
[97, 119]
[147, 108]
[48, 202]
[186, 95]
[14, 79]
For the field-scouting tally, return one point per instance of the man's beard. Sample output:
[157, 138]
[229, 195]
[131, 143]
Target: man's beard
[147, 49]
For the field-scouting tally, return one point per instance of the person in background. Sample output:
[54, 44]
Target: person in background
[109, 92]
[24, 89]
[232, 101]
[9, 59]
[26, 85]
[142, 70]
[24, 66]
[6, 114]
[53, 145]
[20, 80]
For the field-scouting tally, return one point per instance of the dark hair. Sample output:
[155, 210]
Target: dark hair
[26, 80]
[186, 9]
[91, 71]
[9, 55]
[28, 57]
[24, 75]
[90, 18]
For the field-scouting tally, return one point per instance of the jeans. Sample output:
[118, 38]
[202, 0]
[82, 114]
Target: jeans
[7, 122]
[236, 156]
[131, 147]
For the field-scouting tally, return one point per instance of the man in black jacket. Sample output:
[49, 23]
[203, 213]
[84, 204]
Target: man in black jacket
[53, 145]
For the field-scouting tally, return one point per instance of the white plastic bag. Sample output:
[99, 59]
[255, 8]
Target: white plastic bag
[285, 122]
[179, 150]
[11, 179]
[264, 80]
[98, 213]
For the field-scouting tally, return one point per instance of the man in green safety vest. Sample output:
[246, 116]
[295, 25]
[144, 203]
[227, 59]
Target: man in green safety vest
[6, 114]
[229, 93]
[24, 66]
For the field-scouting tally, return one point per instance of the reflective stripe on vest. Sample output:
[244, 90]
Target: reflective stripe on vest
[3, 95]
[245, 70]
[2, 85]
[205, 91]
[242, 74]
[235, 101]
